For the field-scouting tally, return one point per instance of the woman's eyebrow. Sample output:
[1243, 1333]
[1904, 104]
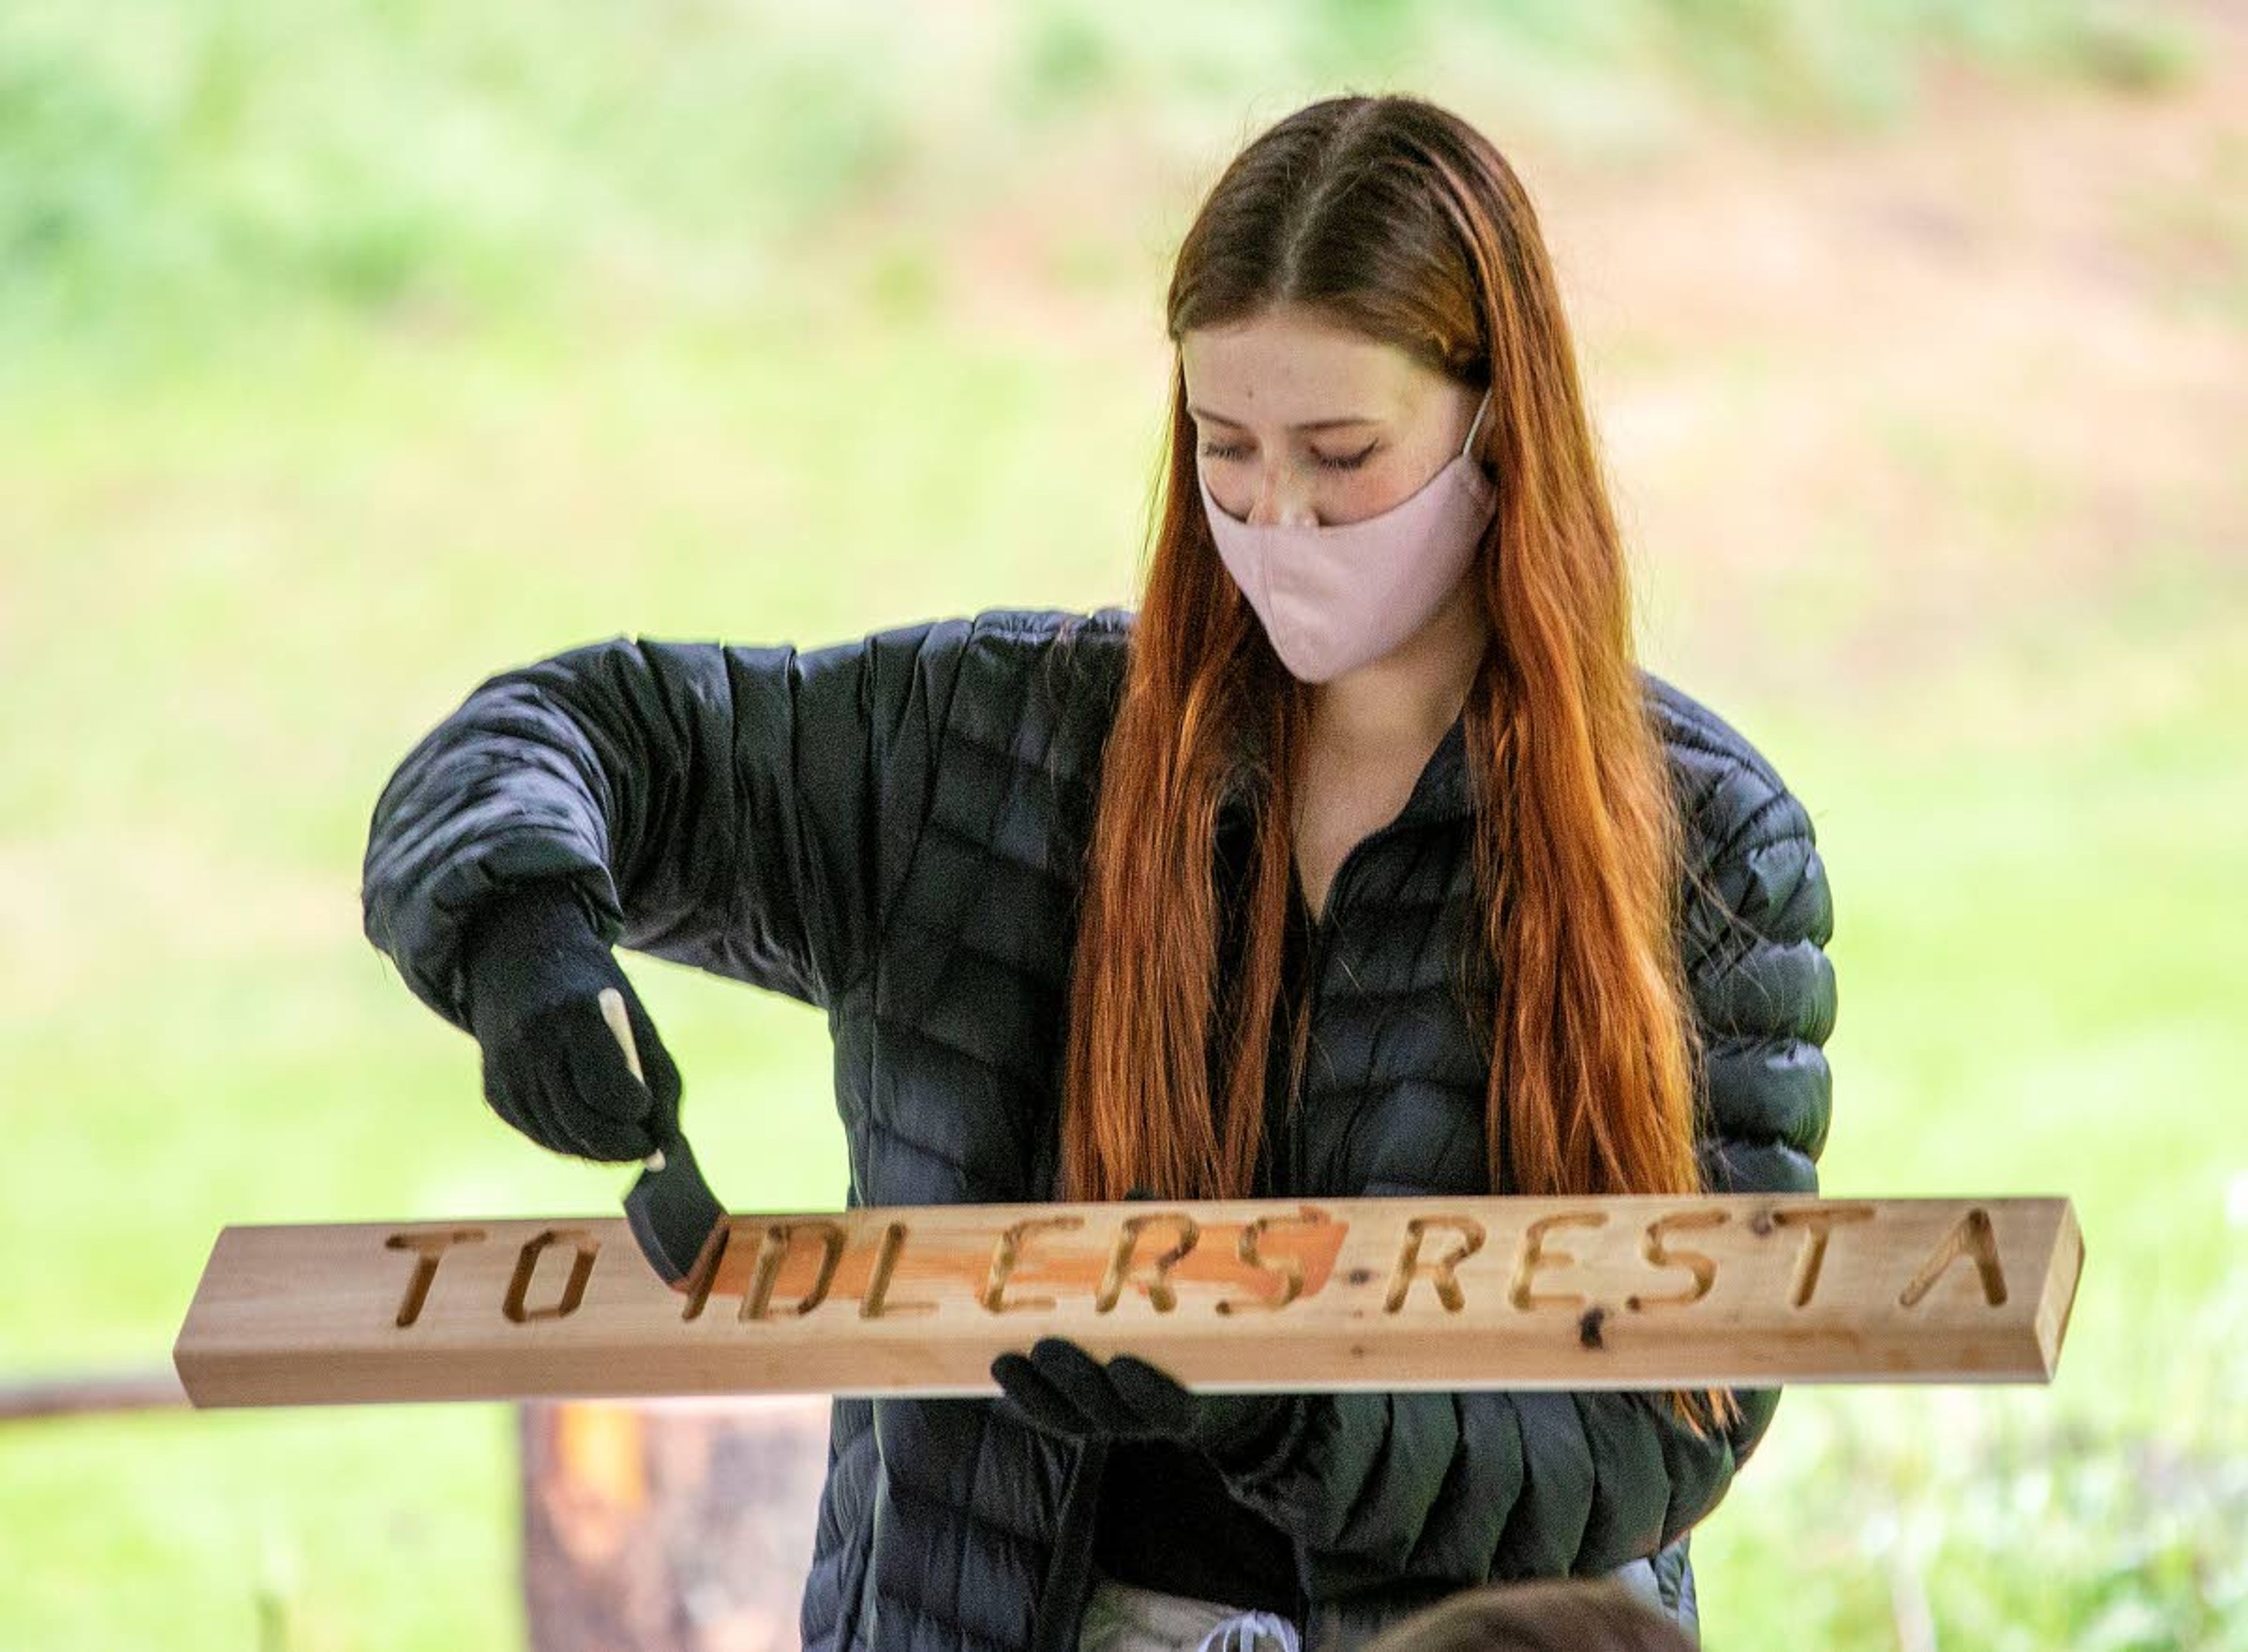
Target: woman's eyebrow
[1313, 424]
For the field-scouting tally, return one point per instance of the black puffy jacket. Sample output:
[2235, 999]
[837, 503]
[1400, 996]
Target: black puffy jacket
[891, 829]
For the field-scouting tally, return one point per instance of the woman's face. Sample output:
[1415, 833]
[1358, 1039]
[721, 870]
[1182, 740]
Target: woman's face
[1298, 420]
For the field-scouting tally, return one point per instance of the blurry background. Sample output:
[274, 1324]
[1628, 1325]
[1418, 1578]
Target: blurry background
[351, 350]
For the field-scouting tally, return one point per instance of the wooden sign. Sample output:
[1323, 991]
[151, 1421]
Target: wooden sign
[1348, 1294]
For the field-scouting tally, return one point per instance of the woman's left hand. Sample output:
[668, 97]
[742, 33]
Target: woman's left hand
[1060, 1388]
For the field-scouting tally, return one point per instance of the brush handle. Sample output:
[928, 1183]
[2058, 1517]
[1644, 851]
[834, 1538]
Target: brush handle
[612, 1011]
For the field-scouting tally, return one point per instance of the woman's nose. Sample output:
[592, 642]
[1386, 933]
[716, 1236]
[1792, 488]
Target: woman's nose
[1278, 499]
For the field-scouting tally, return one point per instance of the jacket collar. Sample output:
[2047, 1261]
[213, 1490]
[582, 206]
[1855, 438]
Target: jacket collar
[1440, 793]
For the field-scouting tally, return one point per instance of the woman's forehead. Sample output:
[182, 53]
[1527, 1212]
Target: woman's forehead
[1284, 370]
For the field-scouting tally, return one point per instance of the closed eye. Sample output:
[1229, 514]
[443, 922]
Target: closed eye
[1348, 463]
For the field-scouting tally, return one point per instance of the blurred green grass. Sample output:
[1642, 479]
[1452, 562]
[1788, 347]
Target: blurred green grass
[353, 352]
[180, 165]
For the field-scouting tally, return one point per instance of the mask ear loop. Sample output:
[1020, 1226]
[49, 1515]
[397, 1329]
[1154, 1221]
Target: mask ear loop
[1466, 445]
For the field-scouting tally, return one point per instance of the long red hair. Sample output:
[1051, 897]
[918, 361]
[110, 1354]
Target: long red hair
[1397, 220]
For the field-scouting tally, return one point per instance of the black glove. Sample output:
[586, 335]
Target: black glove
[533, 965]
[1059, 1387]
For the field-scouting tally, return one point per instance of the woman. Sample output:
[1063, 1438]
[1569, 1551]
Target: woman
[1486, 908]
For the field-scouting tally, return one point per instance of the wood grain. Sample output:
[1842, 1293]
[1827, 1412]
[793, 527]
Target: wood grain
[1249, 1294]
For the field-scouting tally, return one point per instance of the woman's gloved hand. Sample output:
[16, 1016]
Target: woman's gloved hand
[1061, 1388]
[534, 966]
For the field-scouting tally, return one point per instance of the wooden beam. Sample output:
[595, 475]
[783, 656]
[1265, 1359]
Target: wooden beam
[89, 1395]
[1344, 1293]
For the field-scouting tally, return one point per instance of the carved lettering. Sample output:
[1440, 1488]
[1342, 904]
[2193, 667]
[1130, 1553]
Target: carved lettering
[773, 1250]
[1439, 1273]
[1685, 1292]
[1971, 1235]
[1534, 1258]
[1007, 1253]
[526, 1263]
[1122, 1254]
[704, 1274]
[876, 1304]
[1289, 1268]
[1818, 1222]
[428, 1248]
[1703, 1269]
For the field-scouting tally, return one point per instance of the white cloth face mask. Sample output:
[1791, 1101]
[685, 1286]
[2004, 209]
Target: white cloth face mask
[1333, 598]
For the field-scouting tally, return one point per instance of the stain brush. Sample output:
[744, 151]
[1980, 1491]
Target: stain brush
[670, 1208]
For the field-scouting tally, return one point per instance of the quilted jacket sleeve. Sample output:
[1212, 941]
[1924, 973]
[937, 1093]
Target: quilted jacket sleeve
[742, 809]
[1459, 1488]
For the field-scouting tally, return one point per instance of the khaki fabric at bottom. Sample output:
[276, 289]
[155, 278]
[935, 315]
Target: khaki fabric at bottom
[1121, 1617]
